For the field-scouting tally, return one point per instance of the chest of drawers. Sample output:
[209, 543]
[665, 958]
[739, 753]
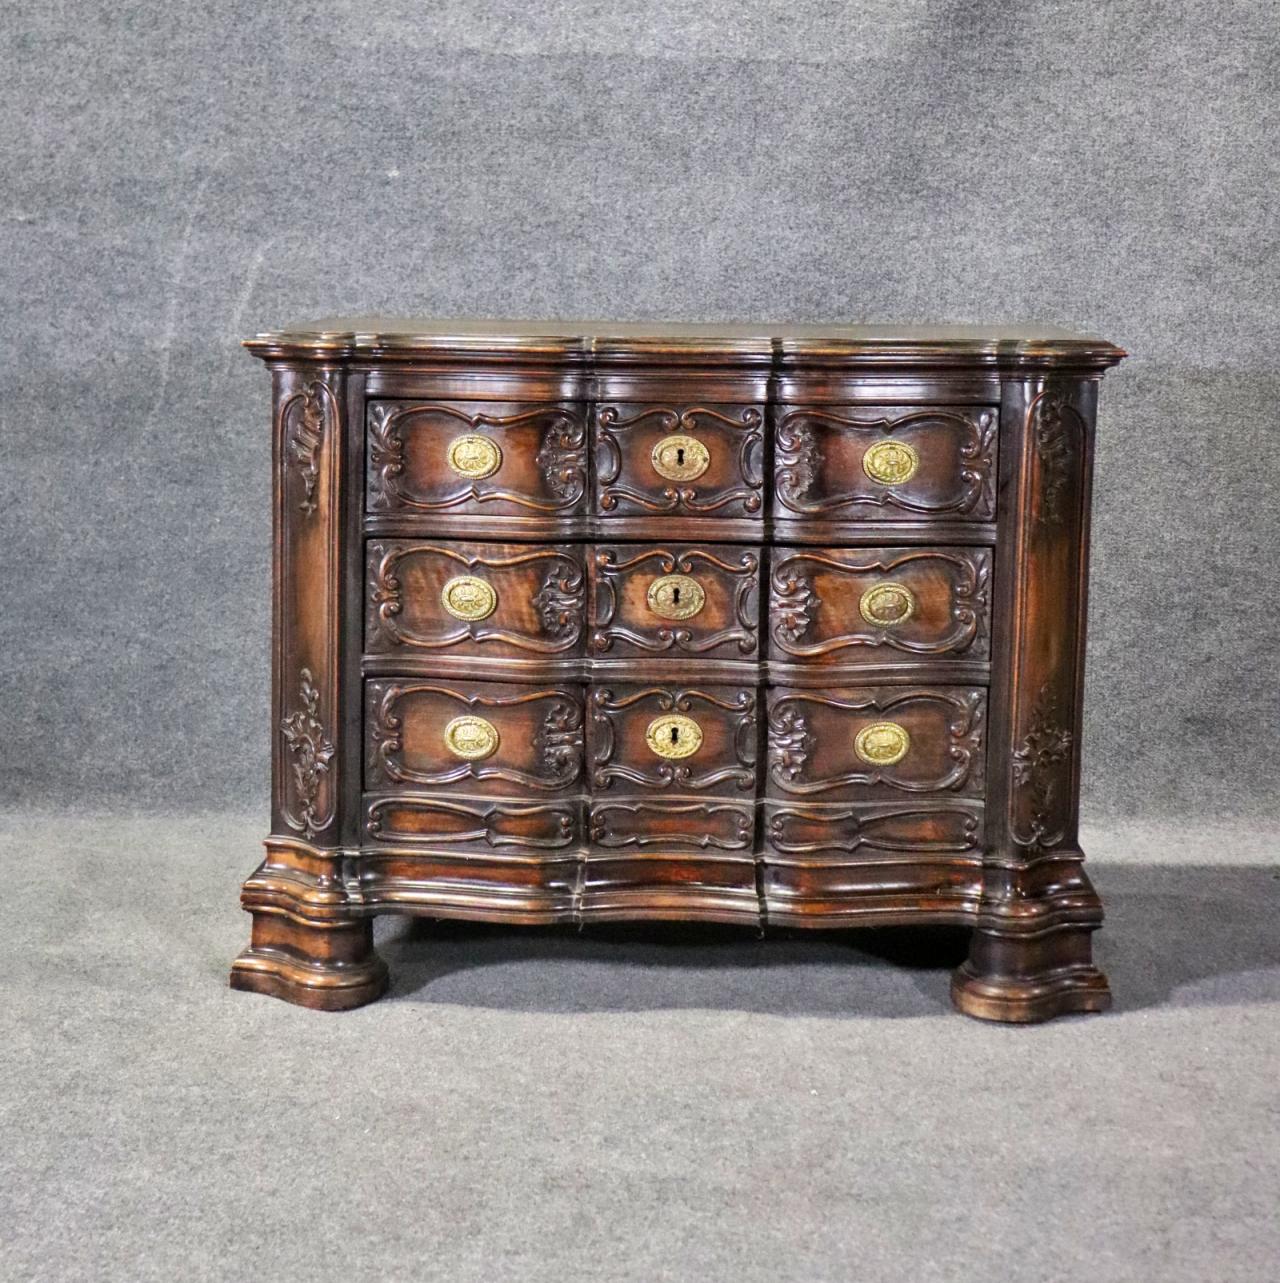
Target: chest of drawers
[750, 625]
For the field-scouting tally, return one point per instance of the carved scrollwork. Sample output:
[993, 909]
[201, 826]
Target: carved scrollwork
[560, 458]
[977, 452]
[827, 831]
[799, 459]
[795, 604]
[790, 741]
[560, 601]
[496, 825]
[724, 827]
[386, 457]
[311, 752]
[1041, 770]
[558, 742]
[1058, 431]
[794, 601]
[689, 638]
[793, 741]
[691, 420]
[607, 709]
[305, 416]
[971, 603]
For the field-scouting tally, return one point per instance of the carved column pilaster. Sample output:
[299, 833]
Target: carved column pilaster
[308, 438]
[1031, 954]
[310, 944]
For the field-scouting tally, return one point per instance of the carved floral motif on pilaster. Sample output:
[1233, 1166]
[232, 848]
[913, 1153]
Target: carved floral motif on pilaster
[1058, 432]
[1041, 766]
[306, 416]
[311, 752]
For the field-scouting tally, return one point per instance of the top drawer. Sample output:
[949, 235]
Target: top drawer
[702, 463]
[468, 462]
[876, 464]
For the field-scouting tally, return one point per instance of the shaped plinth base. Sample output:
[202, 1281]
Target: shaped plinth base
[1031, 957]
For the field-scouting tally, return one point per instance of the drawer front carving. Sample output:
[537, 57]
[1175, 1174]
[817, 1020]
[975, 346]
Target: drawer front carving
[885, 463]
[857, 744]
[639, 739]
[476, 459]
[802, 833]
[484, 738]
[851, 605]
[492, 827]
[693, 461]
[473, 599]
[639, 825]
[674, 600]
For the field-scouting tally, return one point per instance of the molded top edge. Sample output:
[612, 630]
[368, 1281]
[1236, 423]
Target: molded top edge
[400, 338]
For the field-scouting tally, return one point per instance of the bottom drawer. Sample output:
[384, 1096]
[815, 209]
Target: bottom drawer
[870, 808]
[670, 858]
[827, 864]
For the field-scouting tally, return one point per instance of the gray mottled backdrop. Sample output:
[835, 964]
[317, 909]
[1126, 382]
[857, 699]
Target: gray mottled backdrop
[176, 176]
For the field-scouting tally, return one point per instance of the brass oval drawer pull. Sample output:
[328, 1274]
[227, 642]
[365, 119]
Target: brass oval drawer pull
[468, 598]
[882, 743]
[890, 463]
[471, 738]
[475, 456]
[887, 605]
[680, 458]
[673, 735]
[676, 597]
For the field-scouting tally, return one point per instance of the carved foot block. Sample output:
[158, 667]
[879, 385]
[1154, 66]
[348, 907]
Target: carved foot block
[328, 968]
[1022, 979]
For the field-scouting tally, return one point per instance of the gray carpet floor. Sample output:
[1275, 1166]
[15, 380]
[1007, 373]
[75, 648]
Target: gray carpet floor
[627, 1104]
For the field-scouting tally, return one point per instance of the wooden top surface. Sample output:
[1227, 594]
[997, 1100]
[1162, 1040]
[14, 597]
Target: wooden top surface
[380, 336]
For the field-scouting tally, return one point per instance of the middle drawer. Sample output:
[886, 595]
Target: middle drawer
[632, 610]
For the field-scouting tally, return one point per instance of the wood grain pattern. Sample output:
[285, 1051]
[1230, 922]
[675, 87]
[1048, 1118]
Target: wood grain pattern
[456, 823]
[812, 734]
[540, 737]
[543, 472]
[917, 505]
[820, 454]
[815, 615]
[540, 609]
[824, 835]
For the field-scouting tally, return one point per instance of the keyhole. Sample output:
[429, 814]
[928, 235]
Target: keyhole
[675, 735]
[675, 596]
[680, 455]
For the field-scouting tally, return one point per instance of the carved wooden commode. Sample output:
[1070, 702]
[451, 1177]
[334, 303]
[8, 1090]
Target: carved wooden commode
[618, 622]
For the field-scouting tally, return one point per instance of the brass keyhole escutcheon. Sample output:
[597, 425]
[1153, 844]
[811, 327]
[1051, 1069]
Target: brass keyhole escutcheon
[890, 463]
[471, 738]
[474, 456]
[676, 597]
[882, 743]
[673, 736]
[887, 605]
[680, 458]
[468, 598]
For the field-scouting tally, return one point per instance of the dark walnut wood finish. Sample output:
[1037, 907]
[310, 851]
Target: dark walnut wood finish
[622, 622]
